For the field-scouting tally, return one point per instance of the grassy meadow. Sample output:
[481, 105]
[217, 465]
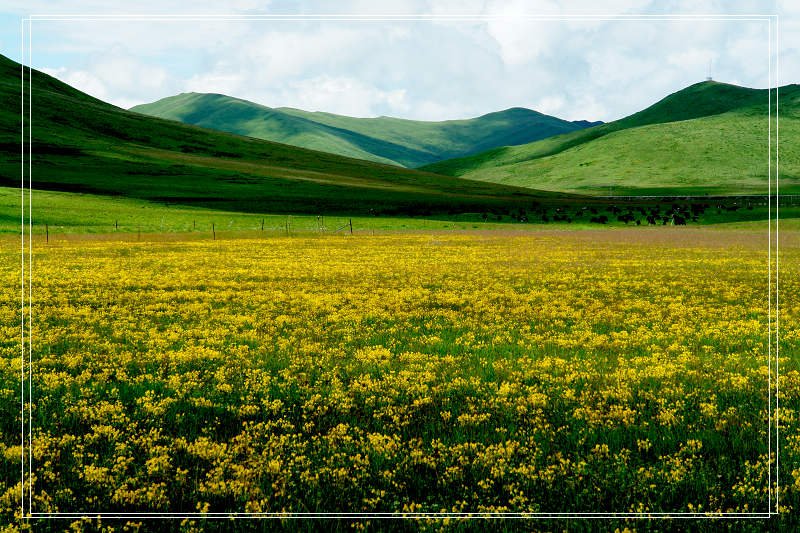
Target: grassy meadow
[691, 157]
[710, 138]
[70, 215]
[496, 372]
[83, 215]
[696, 101]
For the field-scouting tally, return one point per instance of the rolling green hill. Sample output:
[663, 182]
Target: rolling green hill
[83, 144]
[708, 138]
[408, 143]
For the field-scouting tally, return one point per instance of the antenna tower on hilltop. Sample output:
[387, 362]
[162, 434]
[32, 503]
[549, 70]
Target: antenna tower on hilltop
[709, 70]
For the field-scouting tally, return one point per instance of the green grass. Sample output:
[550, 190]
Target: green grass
[71, 213]
[710, 138]
[81, 144]
[408, 143]
[85, 213]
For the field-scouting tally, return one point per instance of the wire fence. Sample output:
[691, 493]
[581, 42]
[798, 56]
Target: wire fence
[310, 224]
[162, 230]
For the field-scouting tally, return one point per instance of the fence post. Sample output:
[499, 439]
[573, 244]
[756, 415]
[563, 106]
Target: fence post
[116, 225]
[194, 224]
[47, 233]
[213, 232]
[262, 224]
[287, 226]
[350, 221]
[139, 232]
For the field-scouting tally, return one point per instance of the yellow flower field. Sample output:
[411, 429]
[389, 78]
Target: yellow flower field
[585, 371]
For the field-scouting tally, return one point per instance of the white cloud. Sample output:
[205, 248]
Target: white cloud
[120, 69]
[440, 110]
[55, 72]
[115, 75]
[789, 28]
[611, 67]
[107, 7]
[753, 55]
[278, 54]
[584, 107]
[694, 58]
[437, 70]
[342, 95]
[522, 40]
[551, 105]
[215, 82]
[457, 7]
[87, 82]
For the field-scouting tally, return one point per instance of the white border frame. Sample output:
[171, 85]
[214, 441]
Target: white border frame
[771, 19]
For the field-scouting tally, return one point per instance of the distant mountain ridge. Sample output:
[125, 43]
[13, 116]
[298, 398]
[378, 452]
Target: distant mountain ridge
[708, 138]
[403, 142]
[80, 144]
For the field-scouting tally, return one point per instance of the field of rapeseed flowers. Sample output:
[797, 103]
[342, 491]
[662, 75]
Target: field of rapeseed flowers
[607, 371]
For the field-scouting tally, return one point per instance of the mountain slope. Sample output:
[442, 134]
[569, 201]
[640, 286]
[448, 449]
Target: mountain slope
[444, 139]
[402, 142]
[223, 113]
[708, 138]
[83, 144]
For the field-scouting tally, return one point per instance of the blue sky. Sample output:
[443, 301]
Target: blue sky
[428, 70]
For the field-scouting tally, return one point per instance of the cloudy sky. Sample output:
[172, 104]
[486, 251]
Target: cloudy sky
[423, 69]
